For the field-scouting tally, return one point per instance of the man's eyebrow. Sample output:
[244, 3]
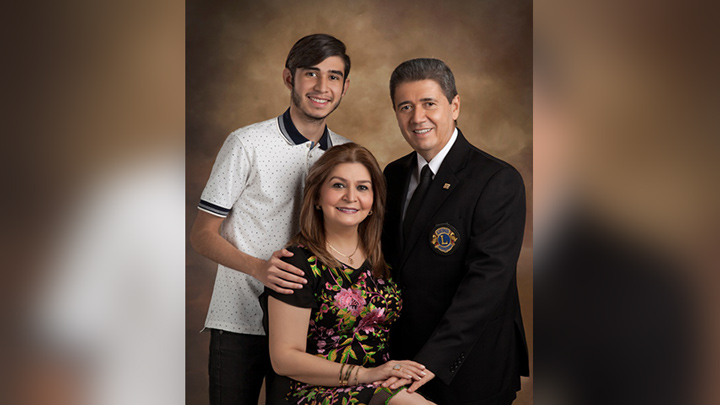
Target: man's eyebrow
[317, 69]
[424, 99]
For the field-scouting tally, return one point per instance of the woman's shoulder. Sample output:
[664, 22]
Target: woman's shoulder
[299, 255]
[298, 248]
[302, 256]
[302, 250]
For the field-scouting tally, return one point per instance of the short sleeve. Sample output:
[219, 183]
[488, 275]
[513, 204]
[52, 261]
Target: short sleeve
[304, 297]
[228, 178]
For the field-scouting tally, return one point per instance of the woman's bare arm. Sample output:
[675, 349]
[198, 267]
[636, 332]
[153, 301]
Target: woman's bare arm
[288, 337]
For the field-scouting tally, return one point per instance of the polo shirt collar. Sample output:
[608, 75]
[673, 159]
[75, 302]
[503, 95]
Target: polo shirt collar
[293, 135]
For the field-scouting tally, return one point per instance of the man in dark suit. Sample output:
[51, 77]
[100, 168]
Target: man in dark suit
[453, 232]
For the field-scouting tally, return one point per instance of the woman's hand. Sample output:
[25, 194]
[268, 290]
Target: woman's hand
[402, 369]
[394, 382]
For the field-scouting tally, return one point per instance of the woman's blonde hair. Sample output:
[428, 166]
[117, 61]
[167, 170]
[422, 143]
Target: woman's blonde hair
[312, 229]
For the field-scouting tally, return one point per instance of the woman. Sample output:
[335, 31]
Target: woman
[329, 340]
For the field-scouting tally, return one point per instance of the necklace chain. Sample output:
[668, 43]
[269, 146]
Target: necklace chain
[343, 254]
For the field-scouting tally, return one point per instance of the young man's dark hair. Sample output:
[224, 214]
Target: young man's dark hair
[313, 49]
[424, 69]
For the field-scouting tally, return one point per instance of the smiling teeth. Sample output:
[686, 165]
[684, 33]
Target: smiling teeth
[422, 131]
[347, 210]
[317, 100]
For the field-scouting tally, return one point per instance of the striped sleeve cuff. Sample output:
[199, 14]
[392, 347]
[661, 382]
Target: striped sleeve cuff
[213, 209]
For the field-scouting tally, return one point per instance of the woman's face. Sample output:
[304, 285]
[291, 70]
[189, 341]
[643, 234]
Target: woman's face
[346, 196]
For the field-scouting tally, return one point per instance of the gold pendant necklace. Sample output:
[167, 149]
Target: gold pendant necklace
[343, 254]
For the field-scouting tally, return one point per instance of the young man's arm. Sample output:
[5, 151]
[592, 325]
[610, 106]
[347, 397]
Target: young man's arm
[273, 273]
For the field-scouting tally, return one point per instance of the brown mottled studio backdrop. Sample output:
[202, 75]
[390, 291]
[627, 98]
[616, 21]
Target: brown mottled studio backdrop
[234, 60]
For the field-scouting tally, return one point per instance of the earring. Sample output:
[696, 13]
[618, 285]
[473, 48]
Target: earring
[317, 207]
[370, 213]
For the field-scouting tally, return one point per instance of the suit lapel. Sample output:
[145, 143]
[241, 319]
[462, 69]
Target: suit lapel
[444, 183]
[409, 165]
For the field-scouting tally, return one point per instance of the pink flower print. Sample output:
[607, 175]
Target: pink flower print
[326, 339]
[368, 322]
[351, 300]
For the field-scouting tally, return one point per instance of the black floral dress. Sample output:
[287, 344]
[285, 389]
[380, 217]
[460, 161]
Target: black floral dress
[350, 321]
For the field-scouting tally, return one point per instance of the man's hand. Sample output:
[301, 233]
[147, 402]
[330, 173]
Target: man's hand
[394, 382]
[278, 275]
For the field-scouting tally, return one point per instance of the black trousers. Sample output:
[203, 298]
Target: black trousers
[237, 365]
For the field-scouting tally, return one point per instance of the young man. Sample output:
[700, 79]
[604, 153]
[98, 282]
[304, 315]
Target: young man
[453, 232]
[250, 208]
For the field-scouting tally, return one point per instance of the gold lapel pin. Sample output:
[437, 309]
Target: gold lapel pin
[446, 186]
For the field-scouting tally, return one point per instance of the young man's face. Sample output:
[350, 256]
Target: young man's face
[319, 89]
[424, 115]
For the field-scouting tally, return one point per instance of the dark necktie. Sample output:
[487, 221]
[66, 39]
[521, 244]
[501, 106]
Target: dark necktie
[417, 197]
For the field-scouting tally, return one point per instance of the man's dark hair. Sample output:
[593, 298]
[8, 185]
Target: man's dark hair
[313, 49]
[424, 69]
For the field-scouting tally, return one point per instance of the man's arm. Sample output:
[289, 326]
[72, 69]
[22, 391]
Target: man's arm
[273, 273]
[496, 236]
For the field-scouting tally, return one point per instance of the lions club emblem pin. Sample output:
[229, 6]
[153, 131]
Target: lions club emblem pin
[444, 238]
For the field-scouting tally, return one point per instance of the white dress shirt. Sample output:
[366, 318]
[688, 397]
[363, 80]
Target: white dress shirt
[434, 166]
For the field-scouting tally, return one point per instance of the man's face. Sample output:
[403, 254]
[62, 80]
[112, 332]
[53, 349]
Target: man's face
[425, 116]
[318, 90]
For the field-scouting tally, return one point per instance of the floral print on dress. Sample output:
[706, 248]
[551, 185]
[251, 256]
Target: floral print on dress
[368, 322]
[350, 325]
[350, 300]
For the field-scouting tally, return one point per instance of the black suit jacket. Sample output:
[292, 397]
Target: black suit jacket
[461, 313]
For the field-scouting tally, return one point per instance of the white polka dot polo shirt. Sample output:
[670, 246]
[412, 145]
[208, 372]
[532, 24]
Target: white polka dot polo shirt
[256, 183]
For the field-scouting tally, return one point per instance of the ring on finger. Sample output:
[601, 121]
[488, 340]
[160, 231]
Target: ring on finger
[397, 367]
